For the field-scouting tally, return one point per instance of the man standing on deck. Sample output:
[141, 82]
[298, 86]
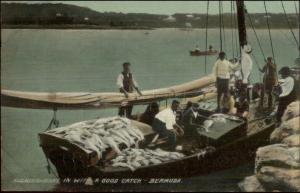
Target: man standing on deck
[269, 80]
[221, 70]
[126, 84]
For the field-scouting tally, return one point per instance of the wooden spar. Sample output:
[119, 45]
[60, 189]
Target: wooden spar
[241, 22]
[86, 100]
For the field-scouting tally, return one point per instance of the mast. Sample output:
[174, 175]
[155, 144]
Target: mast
[241, 22]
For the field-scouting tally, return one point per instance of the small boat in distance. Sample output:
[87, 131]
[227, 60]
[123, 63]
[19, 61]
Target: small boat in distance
[203, 53]
[209, 52]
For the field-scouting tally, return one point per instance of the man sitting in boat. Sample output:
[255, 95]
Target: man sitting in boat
[227, 103]
[221, 70]
[126, 84]
[197, 49]
[242, 106]
[149, 114]
[190, 118]
[287, 91]
[165, 125]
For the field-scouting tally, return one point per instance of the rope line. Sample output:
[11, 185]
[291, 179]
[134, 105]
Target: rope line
[289, 24]
[223, 27]
[206, 30]
[235, 31]
[221, 43]
[256, 36]
[271, 42]
[231, 25]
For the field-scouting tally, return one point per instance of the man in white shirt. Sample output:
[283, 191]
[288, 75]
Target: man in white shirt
[288, 92]
[126, 84]
[221, 70]
[165, 124]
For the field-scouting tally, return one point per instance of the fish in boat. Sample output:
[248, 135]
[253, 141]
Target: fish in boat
[110, 141]
[125, 165]
[207, 124]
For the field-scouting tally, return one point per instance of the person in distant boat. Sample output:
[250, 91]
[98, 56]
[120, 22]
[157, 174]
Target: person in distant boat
[210, 48]
[197, 49]
[287, 91]
[227, 103]
[221, 71]
[269, 81]
[149, 114]
[242, 106]
[165, 124]
[126, 84]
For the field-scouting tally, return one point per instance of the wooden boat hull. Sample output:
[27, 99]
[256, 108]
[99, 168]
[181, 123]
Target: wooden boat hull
[203, 53]
[227, 156]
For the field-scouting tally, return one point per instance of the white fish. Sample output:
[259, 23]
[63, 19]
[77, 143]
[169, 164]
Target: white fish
[121, 140]
[155, 161]
[137, 133]
[207, 124]
[135, 164]
[144, 162]
[109, 141]
[125, 134]
[125, 165]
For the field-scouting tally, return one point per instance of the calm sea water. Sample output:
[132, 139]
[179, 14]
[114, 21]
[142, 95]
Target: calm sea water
[90, 60]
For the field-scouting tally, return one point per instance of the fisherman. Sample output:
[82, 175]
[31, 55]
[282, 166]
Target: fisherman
[287, 92]
[227, 103]
[126, 84]
[210, 48]
[165, 125]
[149, 114]
[221, 70]
[189, 119]
[242, 106]
[269, 81]
[197, 49]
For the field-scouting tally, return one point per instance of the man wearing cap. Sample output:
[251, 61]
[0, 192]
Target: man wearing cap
[126, 84]
[221, 70]
[269, 80]
[288, 92]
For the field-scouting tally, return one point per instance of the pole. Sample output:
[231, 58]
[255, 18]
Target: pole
[241, 22]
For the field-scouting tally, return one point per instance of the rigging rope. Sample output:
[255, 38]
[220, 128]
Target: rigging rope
[207, 8]
[235, 32]
[271, 42]
[256, 36]
[289, 24]
[221, 43]
[223, 27]
[231, 25]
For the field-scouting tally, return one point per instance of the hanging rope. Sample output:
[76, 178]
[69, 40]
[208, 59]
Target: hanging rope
[231, 25]
[54, 121]
[235, 32]
[206, 30]
[220, 26]
[289, 24]
[271, 42]
[257, 65]
[256, 36]
[223, 27]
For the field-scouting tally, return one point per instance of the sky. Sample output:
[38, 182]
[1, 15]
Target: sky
[171, 7]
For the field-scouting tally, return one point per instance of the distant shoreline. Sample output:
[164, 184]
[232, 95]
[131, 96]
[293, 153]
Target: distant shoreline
[98, 27]
[77, 26]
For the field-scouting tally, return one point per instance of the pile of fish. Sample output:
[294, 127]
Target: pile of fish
[208, 105]
[133, 158]
[100, 134]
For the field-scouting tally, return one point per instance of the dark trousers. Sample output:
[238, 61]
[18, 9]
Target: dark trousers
[270, 98]
[283, 103]
[222, 87]
[160, 128]
[125, 111]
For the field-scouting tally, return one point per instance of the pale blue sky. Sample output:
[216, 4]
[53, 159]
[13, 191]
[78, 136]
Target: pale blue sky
[171, 7]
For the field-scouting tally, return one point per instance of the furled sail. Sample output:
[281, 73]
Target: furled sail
[87, 100]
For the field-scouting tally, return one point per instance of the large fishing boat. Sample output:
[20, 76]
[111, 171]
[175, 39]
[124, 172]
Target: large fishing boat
[228, 143]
